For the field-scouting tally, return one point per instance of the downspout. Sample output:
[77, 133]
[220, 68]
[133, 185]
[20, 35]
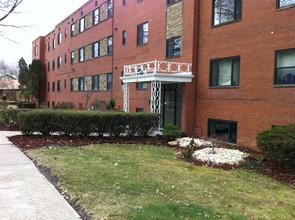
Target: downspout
[196, 54]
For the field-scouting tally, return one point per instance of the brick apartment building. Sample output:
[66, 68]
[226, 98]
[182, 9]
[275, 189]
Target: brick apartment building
[221, 68]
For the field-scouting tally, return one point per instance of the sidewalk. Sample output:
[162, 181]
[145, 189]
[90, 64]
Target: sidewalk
[25, 194]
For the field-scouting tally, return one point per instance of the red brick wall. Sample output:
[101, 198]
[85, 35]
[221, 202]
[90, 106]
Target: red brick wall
[257, 104]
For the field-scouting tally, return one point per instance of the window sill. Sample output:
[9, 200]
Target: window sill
[141, 45]
[168, 58]
[285, 86]
[224, 87]
[226, 23]
[286, 7]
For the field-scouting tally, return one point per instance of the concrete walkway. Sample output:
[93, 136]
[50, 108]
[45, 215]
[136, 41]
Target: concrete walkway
[25, 194]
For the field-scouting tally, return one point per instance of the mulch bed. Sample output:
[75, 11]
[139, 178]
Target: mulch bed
[285, 175]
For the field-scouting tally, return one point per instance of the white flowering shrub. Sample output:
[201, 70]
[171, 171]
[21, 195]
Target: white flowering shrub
[197, 142]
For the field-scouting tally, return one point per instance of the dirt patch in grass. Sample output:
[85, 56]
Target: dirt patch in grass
[283, 174]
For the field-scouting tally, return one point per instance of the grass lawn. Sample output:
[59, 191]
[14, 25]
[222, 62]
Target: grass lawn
[147, 182]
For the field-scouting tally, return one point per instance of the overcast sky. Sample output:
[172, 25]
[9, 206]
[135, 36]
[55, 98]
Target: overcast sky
[42, 16]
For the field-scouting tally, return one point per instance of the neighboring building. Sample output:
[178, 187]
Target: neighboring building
[222, 68]
[9, 87]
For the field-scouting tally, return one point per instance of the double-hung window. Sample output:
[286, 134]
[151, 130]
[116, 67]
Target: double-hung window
[173, 47]
[48, 66]
[58, 62]
[58, 85]
[53, 43]
[110, 8]
[72, 57]
[95, 83]
[109, 81]
[285, 67]
[59, 38]
[225, 72]
[82, 24]
[96, 49]
[81, 84]
[110, 45]
[96, 16]
[225, 11]
[123, 37]
[81, 54]
[72, 30]
[143, 34]
[53, 65]
[285, 3]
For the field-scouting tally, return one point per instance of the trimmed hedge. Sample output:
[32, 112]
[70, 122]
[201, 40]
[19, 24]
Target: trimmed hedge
[26, 105]
[9, 117]
[278, 144]
[85, 123]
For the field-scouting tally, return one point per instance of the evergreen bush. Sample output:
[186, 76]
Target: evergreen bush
[278, 144]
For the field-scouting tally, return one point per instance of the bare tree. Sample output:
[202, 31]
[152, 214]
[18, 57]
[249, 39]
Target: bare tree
[7, 8]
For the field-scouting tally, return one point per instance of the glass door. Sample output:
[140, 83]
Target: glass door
[171, 104]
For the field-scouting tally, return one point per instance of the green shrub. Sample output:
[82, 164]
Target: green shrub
[9, 117]
[111, 105]
[30, 105]
[278, 144]
[84, 123]
[171, 130]
[64, 105]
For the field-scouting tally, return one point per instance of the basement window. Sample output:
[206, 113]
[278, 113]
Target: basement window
[225, 131]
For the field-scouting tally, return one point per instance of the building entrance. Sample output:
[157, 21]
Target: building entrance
[171, 105]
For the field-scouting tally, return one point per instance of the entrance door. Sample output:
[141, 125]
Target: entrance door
[171, 104]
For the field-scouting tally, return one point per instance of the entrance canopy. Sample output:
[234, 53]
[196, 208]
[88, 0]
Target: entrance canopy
[157, 73]
[161, 71]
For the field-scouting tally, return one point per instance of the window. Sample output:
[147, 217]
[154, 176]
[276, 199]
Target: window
[139, 110]
[124, 2]
[48, 66]
[59, 38]
[59, 62]
[285, 67]
[123, 37]
[110, 8]
[141, 86]
[48, 104]
[52, 103]
[142, 34]
[72, 84]
[226, 11]
[53, 86]
[96, 16]
[96, 49]
[110, 45]
[173, 47]
[72, 30]
[72, 57]
[48, 87]
[35, 50]
[53, 43]
[225, 131]
[225, 72]
[81, 54]
[65, 84]
[65, 58]
[82, 25]
[95, 83]
[285, 3]
[109, 81]
[48, 46]
[58, 85]
[170, 2]
[81, 83]
[53, 64]
[66, 32]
